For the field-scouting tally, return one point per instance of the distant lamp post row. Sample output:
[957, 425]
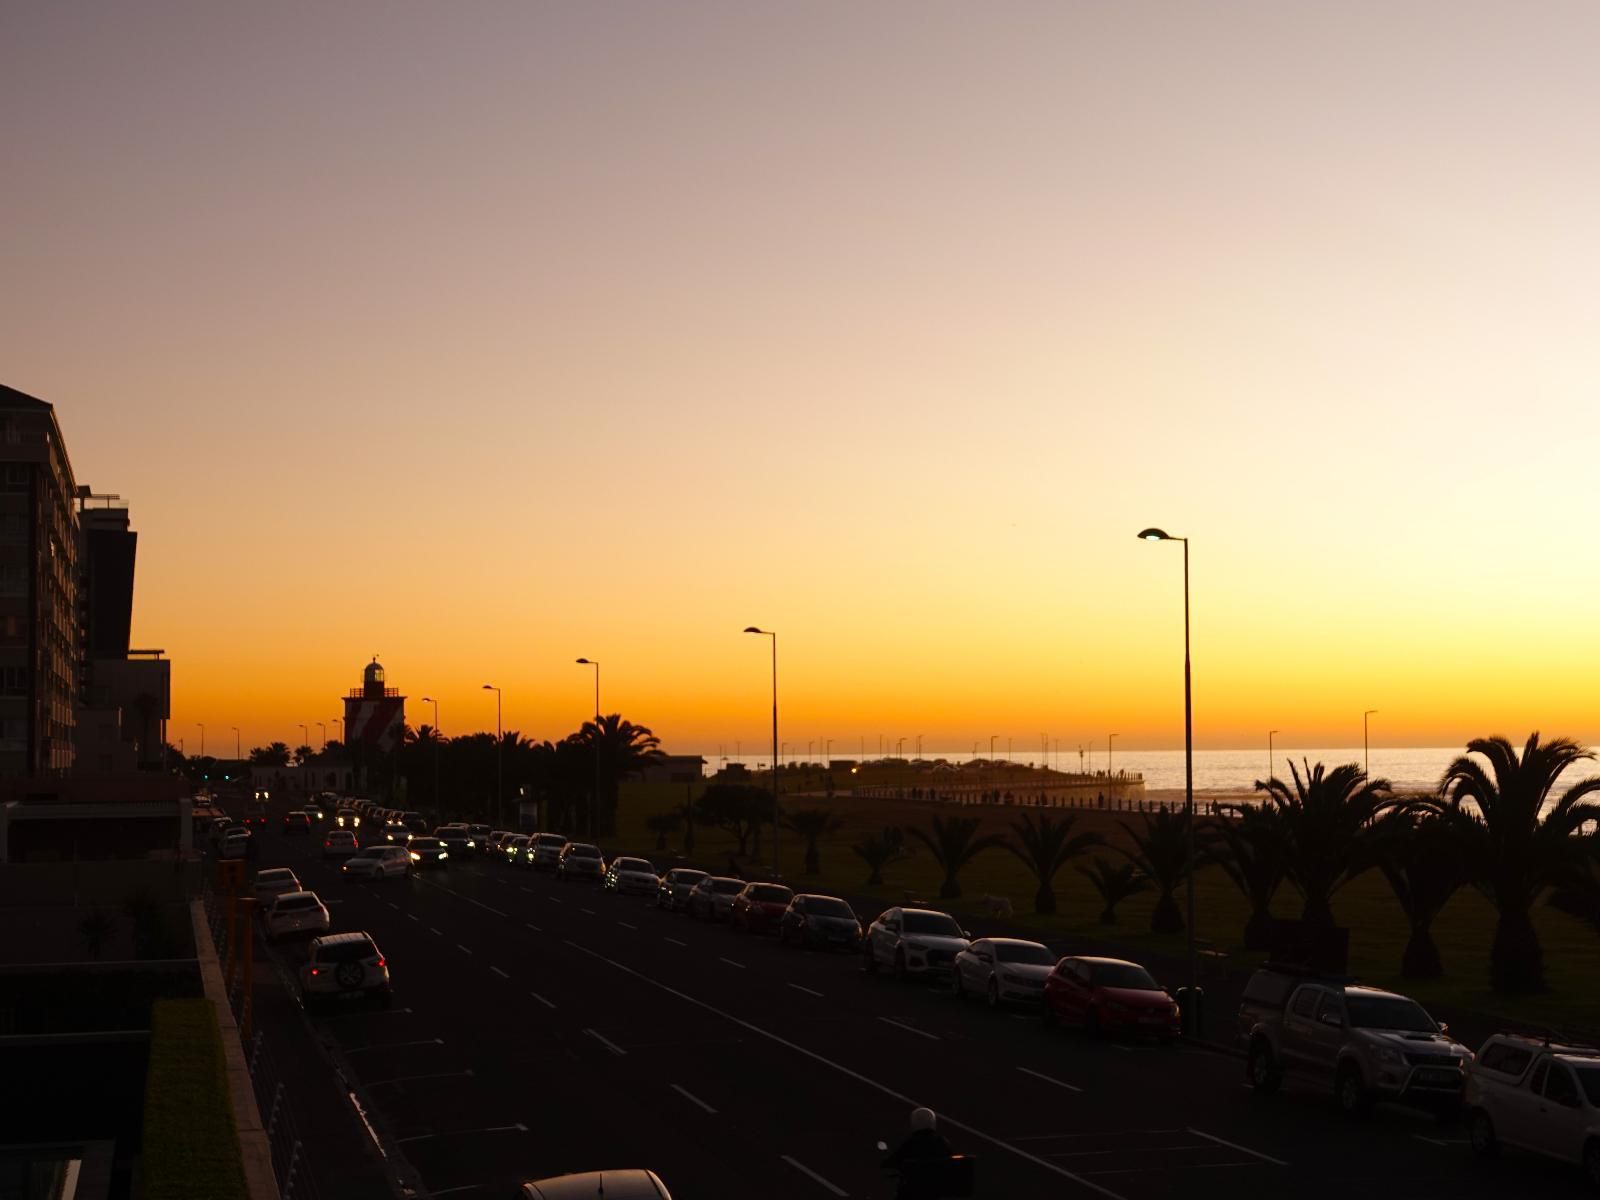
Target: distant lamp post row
[589, 662]
[771, 634]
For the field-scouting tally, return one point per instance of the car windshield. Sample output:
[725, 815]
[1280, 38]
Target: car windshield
[728, 887]
[275, 875]
[1022, 952]
[585, 852]
[552, 839]
[1124, 975]
[367, 852]
[1589, 1081]
[771, 893]
[933, 924]
[426, 843]
[1388, 1012]
[347, 951]
[688, 876]
[636, 864]
[827, 906]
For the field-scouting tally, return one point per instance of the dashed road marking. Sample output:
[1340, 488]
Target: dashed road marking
[1071, 1087]
[807, 1171]
[437, 1041]
[932, 1037]
[483, 906]
[625, 925]
[467, 1074]
[1277, 1162]
[462, 948]
[589, 912]
[676, 942]
[499, 972]
[414, 917]
[541, 1000]
[606, 1042]
[422, 1137]
[731, 962]
[692, 1098]
[431, 929]
[806, 990]
[534, 927]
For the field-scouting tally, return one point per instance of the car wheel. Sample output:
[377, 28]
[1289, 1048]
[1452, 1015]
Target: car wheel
[1351, 1091]
[1486, 1145]
[1262, 1069]
[994, 994]
[901, 971]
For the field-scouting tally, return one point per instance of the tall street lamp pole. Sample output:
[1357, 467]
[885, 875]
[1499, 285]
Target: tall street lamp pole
[1270, 734]
[238, 743]
[1157, 535]
[499, 752]
[435, 703]
[589, 662]
[202, 725]
[1109, 742]
[773, 635]
[323, 727]
[1366, 768]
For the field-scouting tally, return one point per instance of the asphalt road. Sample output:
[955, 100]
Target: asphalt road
[539, 1028]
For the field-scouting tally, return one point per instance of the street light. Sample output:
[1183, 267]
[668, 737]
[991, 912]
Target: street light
[589, 662]
[1109, 740]
[773, 635]
[323, 726]
[1159, 535]
[238, 743]
[435, 703]
[992, 739]
[1365, 766]
[202, 725]
[1270, 734]
[499, 752]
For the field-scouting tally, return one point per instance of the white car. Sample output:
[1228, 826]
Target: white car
[376, 862]
[1538, 1096]
[235, 843]
[339, 843]
[273, 882]
[296, 912]
[675, 886]
[544, 851]
[914, 941]
[344, 967]
[581, 860]
[1002, 969]
[632, 875]
[712, 897]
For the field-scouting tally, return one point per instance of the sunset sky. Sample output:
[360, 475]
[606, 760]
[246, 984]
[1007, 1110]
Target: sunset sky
[481, 336]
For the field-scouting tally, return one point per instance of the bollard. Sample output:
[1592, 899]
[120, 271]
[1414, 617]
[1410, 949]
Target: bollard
[1191, 1009]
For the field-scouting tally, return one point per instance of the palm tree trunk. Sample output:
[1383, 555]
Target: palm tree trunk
[813, 866]
[1258, 930]
[1516, 960]
[950, 889]
[1166, 918]
[1318, 912]
[1421, 958]
[1044, 900]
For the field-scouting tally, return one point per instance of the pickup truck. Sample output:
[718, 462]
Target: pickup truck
[1537, 1096]
[1363, 1043]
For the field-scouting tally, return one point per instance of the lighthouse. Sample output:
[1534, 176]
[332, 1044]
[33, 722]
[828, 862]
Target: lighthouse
[374, 713]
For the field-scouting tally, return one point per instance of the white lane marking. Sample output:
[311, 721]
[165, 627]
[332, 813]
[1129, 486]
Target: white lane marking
[731, 962]
[391, 904]
[462, 948]
[1442, 1141]
[499, 972]
[692, 1098]
[422, 1137]
[450, 1191]
[625, 925]
[606, 1042]
[1059, 1083]
[526, 888]
[1278, 1162]
[587, 911]
[553, 900]
[415, 1078]
[483, 906]
[534, 927]
[884, 1089]
[414, 917]
[438, 1041]
[806, 990]
[541, 1000]
[807, 1171]
[431, 929]
[676, 942]
[932, 1037]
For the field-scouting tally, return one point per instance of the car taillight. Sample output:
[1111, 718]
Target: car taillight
[314, 970]
[380, 962]
[327, 843]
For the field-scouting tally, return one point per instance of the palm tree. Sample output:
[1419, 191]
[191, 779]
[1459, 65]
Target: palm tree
[1578, 893]
[1161, 852]
[1422, 855]
[623, 749]
[275, 755]
[1045, 846]
[1519, 843]
[954, 843]
[1328, 828]
[663, 823]
[811, 824]
[1251, 850]
[879, 850]
[1114, 883]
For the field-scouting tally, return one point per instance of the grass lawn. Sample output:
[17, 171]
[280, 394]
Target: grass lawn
[1378, 929]
[190, 1149]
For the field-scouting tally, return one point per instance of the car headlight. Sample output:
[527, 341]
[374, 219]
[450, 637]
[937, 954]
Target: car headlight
[415, 857]
[444, 854]
[470, 845]
[1389, 1056]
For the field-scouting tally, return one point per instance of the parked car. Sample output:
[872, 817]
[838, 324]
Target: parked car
[612, 1185]
[712, 898]
[1004, 969]
[427, 852]
[273, 882]
[580, 860]
[1110, 995]
[672, 891]
[632, 875]
[512, 846]
[219, 827]
[1543, 1097]
[914, 941]
[1363, 1043]
[544, 851]
[825, 922]
[377, 862]
[339, 843]
[237, 842]
[296, 912]
[296, 821]
[759, 907]
[344, 967]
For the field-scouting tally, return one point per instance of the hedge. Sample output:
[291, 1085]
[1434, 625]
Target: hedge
[191, 1148]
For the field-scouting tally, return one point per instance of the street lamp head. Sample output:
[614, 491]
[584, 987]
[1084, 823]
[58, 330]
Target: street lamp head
[425, 700]
[489, 687]
[1154, 535]
[584, 662]
[753, 629]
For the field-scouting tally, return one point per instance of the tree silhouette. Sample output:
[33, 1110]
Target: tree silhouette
[663, 823]
[1115, 882]
[1578, 893]
[954, 843]
[736, 808]
[624, 748]
[1328, 824]
[1045, 845]
[1252, 851]
[1423, 857]
[1161, 853]
[275, 755]
[811, 824]
[879, 850]
[1518, 842]
[303, 755]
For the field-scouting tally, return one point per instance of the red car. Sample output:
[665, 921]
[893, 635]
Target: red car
[1109, 995]
[760, 907]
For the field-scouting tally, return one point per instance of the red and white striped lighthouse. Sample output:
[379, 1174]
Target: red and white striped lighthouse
[374, 715]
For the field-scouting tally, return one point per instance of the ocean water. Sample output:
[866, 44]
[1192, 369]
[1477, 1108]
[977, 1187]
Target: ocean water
[1407, 769]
